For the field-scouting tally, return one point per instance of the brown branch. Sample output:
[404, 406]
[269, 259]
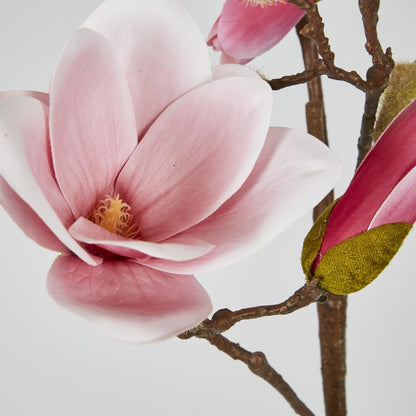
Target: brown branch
[376, 77]
[258, 364]
[224, 319]
[315, 30]
[378, 74]
[332, 324]
[332, 315]
[300, 78]
[369, 13]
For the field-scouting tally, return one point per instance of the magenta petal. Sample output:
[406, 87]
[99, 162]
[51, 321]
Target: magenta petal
[293, 173]
[92, 122]
[246, 31]
[161, 48]
[87, 232]
[400, 205]
[128, 301]
[196, 155]
[388, 162]
[27, 219]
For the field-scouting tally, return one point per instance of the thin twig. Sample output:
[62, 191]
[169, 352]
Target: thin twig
[332, 315]
[378, 74]
[258, 364]
[315, 30]
[300, 78]
[224, 319]
[376, 77]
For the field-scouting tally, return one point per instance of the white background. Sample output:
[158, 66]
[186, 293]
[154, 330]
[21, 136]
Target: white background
[54, 363]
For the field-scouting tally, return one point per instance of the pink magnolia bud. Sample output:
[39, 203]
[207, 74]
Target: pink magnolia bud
[355, 238]
[245, 30]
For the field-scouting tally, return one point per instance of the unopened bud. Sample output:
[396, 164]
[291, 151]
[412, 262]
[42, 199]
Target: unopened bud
[355, 262]
[400, 91]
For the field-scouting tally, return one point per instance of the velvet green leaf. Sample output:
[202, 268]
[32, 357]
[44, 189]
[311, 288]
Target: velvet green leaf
[357, 261]
[313, 240]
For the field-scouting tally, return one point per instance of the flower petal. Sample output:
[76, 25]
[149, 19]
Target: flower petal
[212, 39]
[27, 219]
[87, 232]
[40, 96]
[92, 123]
[400, 205]
[391, 158]
[228, 59]
[161, 48]
[233, 70]
[246, 31]
[196, 155]
[293, 173]
[38, 151]
[128, 301]
[22, 119]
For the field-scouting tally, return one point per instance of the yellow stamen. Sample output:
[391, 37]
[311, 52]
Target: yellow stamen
[113, 214]
[262, 3]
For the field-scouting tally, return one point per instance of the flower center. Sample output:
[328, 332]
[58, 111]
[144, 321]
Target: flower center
[113, 214]
[262, 3]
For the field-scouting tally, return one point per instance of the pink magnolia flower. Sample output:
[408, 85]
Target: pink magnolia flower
[382, 192]
[143, 165]
[245, 30]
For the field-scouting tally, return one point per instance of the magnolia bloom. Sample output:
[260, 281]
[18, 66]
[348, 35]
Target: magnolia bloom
[245, 30]
[143, 165]
[355, 239]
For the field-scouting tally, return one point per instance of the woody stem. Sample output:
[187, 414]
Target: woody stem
[332, 314]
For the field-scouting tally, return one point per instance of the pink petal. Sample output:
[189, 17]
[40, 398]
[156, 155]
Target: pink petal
[400, 205]
[212, 39]
[87, 232]
[128, 301]
[38, 153]
[27, 219]
[161, 48]
[233, 70]
[228, 59]
[40, 96]
[22, 119]
[196, 155]
[293, 173]
[246, 31]
[388, 162]
[92, 123]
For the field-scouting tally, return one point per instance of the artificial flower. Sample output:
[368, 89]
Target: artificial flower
[355, 239]
[143, 165]
[245, 30]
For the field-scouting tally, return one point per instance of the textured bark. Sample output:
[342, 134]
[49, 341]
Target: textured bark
[258, 364]
[377, 75]
[332, 314]
[224, 319]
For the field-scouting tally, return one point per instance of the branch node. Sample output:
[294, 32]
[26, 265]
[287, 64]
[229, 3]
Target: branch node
[258, 363]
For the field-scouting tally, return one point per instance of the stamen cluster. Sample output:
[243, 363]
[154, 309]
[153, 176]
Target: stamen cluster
[114, 215]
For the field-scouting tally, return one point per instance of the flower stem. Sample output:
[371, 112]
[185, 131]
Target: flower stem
[258, 364]
[224, 319]
[377, 75]
[332, 315]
